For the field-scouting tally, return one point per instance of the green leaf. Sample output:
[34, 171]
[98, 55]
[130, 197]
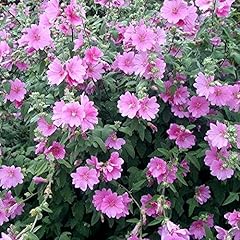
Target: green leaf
[100, 143]
[181, 179]
[133, 220]
[156, 221]
[130, 150]
[231, 198]
[65, 236]
[138, 185]
[95, 218]
[192, 204]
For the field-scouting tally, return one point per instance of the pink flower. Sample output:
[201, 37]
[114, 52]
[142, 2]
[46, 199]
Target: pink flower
[93, 55]
[221, 233]
[4, 49]
[157, 167]
[219, 170]
[99, 196]
[17, 91]
[180, 110]
[234, 99]
[223, 8]
[75, 13]
[75, 70]
[184, 137]
[40, 147]
[3, 214]
[95, 71]
[148, 108]
[56, 73]
[150, 207]
[204, 4]
[217, 135]
[78, 42]
[174, 10]
[128, 105]
[125, 62]
[45, 128]
[52, 9]
[84, 177]
[58, 113]
[233, 218]
[90, 114]
[38, 180]
[198, 106]
[141, 63]
[171, 231]
[113, 168]
[10, 176]
[73, 114]
[143, 38]
[126, 200]
[197, 229]
[220, 95]
[112, 205]
[203, 85]
[6, 237]
[181, 96]
[170, 176]
[114, 142]
[38, 37]
[57, 150]
[202, 194]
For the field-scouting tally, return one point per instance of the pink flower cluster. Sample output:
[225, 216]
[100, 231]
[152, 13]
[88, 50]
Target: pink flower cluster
[75, 114]
[112, 3]
[158, 168]
[9, 208]
[76, 70]
[216, 160]
[182, 136]
[111, 204]
[88, 176]
[10, 176]
[146, 108]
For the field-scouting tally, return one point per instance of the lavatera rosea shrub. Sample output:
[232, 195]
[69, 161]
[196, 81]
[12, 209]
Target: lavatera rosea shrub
[119, 119]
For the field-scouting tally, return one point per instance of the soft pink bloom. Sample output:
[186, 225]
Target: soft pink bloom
[10, 176]
[128, 105]
[181, 96]
[84, 178]
[73, 114]
[99, 196]
[141, 63]
[221, 233]
[217, 135]
[112, 205]
[202, 194]
[219, 170]
[180, 111]
[93, 162]
[126, 200]
[237, 126]
[78, 42]
[150, 207]
[93, 55]
[52, 9]
[4, 49]
[223, 8]
[37, 37]
[234, 98]
[143, 38]
[75, 71]
[169, 176]
[95, 71]
[204, 4]
[174, 10]
[17, 91]
[90, 114]
[57, 117]
[198, 106]
[197, 229]
[171, 231]
[56, 73]
[40, 147]
[185, 166]
[220, 95]
[3, 214]
[203, 85]
[148, 108]
[45, 128]
[113, 167]
[57, 150]
[75, 13]
[184, 137]
[233, 218]
[160, 36]
[157, 167]
[6, 237]
[125, 62]
[114, 142]
[156, 69]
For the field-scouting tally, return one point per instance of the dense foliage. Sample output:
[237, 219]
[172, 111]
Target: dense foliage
[119, 119]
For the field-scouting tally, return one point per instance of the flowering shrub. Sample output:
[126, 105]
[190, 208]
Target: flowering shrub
[119, 119]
